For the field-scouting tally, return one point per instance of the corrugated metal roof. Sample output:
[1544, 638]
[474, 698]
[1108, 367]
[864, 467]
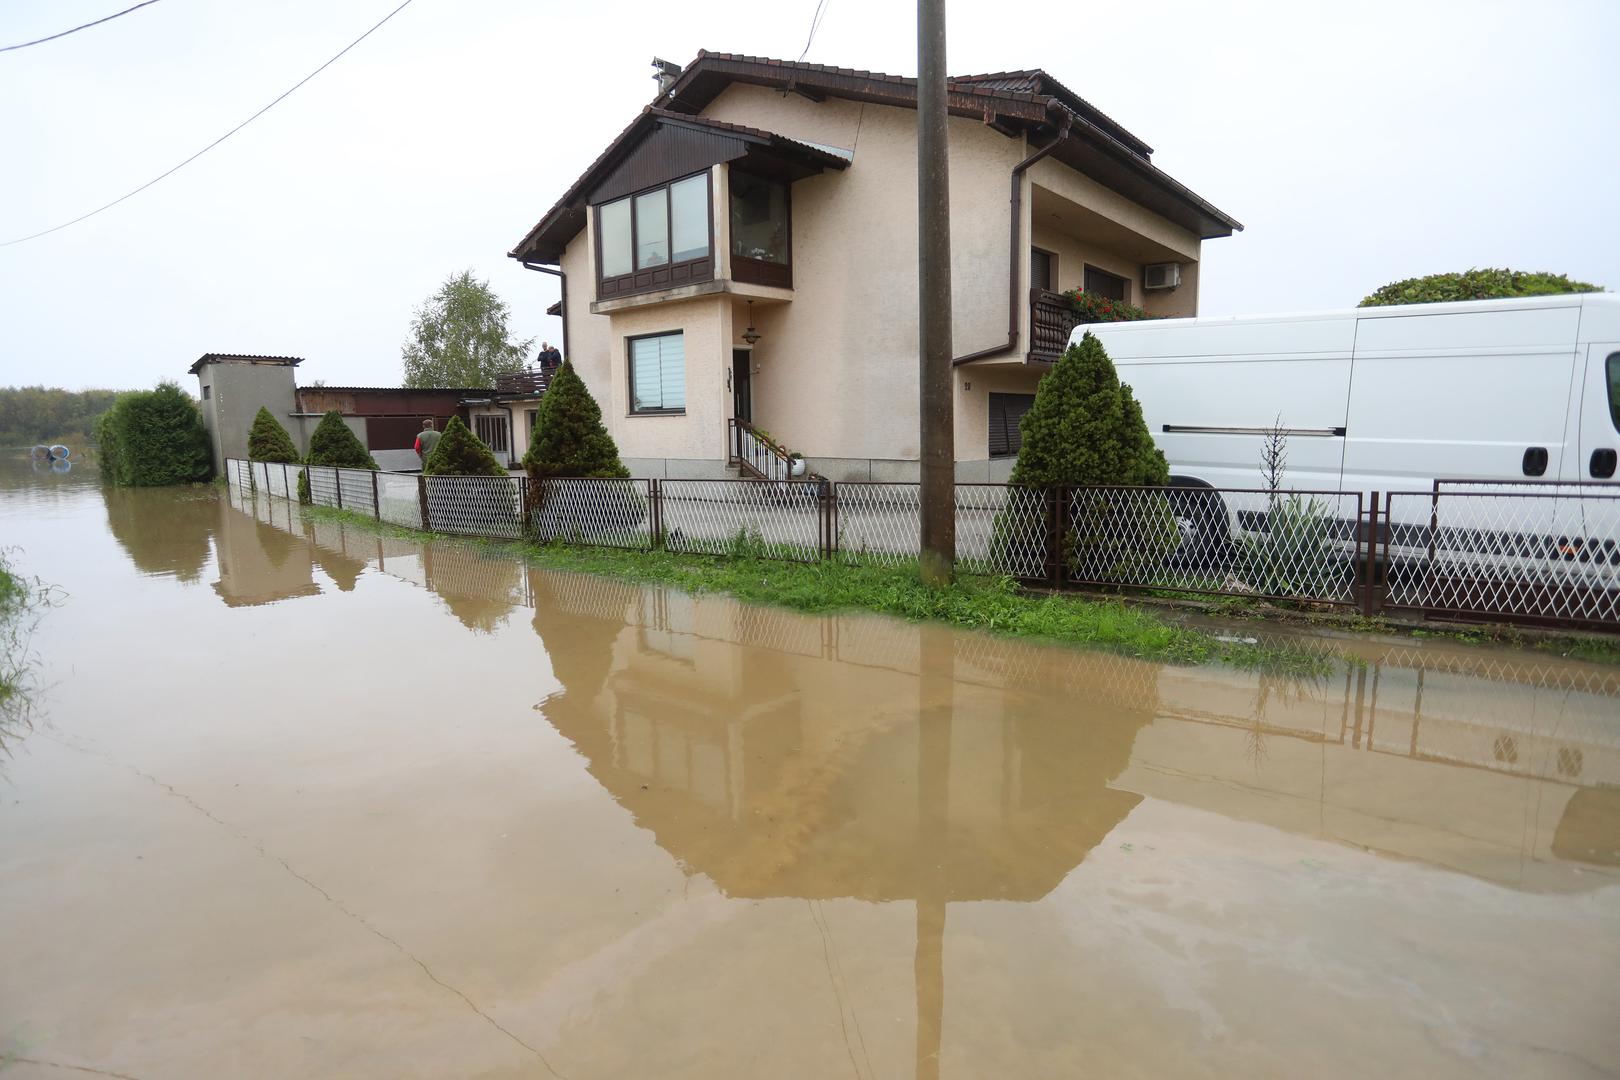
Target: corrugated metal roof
[249, 358]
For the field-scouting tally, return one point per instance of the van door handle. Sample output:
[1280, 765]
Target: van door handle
[1535, 461]
[1602, 464]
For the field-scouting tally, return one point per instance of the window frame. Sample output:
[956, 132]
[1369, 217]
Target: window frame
[1089, 269]
[485, 421]
[1014, 440]
[1611, 381]
[669, 274]
[760, 271]
[1051, 268]
[630, 372]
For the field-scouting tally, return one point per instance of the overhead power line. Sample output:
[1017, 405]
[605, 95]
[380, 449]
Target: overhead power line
[76, 29]
[279, 99]
[815, 24]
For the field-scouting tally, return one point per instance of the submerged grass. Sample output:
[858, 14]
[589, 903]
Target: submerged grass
[994, 605]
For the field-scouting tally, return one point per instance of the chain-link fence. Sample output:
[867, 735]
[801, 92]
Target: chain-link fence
[1540, 552]
[1279, 545]
[760, 518]
[604, 513]
[475, 505]
[1543, 551]
[999, 529]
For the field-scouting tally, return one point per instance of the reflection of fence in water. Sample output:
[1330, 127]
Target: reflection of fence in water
[1545, 719]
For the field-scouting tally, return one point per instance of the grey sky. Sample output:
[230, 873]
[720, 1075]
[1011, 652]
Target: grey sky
[1358, 142]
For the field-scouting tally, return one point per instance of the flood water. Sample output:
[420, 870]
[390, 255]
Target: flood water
[301, 802]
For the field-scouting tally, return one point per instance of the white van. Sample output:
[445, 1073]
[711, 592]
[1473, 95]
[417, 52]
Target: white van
[1387, 398]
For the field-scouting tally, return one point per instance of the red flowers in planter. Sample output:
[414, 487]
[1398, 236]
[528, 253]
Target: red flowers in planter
[1092, 307]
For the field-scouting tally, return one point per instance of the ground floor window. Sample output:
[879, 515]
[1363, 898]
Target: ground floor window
[658, 374]
[492, 432]
[1006, 410]
[534, 418]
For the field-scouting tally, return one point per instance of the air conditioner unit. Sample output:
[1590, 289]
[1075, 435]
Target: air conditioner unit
[1161, 275]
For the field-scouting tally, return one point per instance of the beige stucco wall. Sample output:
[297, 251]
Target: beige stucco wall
[835, 370]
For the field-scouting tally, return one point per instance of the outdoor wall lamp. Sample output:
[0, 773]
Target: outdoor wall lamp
[751, 335]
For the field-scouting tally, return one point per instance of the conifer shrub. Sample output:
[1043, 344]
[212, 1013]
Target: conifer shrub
[269, 441]
[334, 444]
[461, 453]
[570, 438]
[457, 502]
[569, 441]
[154, 438]
[1086, 430]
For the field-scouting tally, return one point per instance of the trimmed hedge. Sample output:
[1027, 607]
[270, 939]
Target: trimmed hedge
[269, 441]
[461, 453]
[154, 438]
[569, 437]
[1486, 284]
[335, 444]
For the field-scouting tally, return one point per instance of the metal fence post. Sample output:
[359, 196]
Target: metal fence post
[337, 485]
[376, 499]
[421, 498]
[655, 514]
[1369, 584]
[1054, 535]
[286, 481]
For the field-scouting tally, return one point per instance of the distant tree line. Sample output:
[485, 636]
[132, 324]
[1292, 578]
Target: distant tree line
[41, 414]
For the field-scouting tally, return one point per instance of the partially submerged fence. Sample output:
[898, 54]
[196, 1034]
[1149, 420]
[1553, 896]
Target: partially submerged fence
[1544, 553]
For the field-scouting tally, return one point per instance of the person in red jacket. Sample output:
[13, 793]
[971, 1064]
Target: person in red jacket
[427, 440]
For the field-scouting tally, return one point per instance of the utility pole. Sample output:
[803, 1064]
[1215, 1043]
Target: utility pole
[938, 435]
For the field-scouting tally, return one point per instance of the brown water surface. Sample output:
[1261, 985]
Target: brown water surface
[302, 802]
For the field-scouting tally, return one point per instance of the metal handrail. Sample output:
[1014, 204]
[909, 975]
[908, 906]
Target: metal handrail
[753, 453]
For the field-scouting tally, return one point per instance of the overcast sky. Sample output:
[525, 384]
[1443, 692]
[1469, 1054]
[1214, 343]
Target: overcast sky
[1358, 143]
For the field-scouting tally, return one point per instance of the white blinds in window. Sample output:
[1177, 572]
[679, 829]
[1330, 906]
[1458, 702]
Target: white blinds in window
[658, 372]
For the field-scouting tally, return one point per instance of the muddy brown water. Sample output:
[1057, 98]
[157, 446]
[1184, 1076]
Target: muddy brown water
[301, 802]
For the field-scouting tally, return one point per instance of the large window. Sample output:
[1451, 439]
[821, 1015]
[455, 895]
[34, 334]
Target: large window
[656, 239]
[658, 374]
[761, 231]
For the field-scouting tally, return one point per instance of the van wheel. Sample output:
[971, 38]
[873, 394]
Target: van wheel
[1201, 519]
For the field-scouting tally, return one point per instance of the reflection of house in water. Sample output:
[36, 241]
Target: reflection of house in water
[773, 770]
[260, 561]
[1500, 767]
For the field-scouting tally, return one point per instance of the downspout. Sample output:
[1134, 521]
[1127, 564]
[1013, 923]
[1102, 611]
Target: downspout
[562, 280]
[1017, 253]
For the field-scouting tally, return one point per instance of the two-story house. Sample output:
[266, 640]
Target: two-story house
[744, 255]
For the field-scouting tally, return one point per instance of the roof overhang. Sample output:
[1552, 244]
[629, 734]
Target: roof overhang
[244, 358]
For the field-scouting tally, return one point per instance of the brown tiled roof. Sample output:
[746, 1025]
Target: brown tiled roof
[252, 358]
[1029, 99]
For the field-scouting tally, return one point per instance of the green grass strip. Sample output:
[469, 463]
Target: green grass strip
[993, 605]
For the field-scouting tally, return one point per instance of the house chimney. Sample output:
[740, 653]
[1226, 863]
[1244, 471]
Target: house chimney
[666, 73]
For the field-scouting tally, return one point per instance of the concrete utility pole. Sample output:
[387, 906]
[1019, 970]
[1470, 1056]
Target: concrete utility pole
[938, 436]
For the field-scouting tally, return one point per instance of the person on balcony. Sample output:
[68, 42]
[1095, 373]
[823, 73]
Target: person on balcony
[550, 359]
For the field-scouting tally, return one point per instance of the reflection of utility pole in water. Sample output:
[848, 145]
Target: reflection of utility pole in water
[935, 689]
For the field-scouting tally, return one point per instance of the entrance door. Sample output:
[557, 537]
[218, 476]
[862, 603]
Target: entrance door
[742, 391]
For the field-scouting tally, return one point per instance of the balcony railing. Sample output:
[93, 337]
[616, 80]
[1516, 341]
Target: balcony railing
[1051, 320]
[522, 382]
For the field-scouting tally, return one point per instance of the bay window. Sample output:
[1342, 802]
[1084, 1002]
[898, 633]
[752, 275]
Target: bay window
[655, 239]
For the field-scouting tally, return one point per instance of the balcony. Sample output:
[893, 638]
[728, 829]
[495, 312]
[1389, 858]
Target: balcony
[1051, 320]
[522, 382]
